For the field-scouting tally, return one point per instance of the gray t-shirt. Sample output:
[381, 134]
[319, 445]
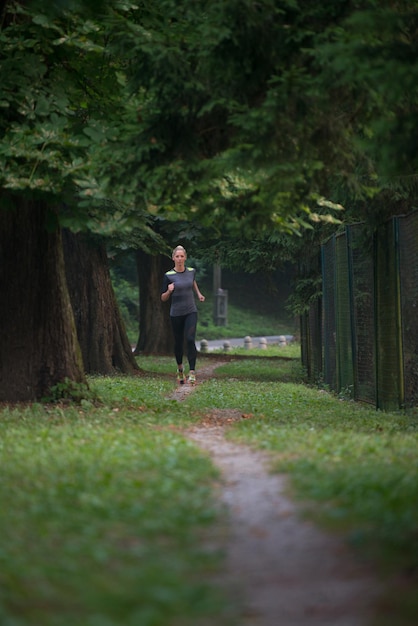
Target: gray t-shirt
[182, 298]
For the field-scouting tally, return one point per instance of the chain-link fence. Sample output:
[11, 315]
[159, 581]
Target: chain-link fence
[368, 343]
[361, 267]
[329, 313]
[408, 279]
[311, 341]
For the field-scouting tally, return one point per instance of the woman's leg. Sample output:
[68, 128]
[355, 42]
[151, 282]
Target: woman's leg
[178, 324]
[190, 334]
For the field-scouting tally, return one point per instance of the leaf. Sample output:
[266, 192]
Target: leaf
[42, 106]
[42, 20]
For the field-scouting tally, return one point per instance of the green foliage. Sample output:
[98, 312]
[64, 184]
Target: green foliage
[307, 291]
[59, 94]
[70, 391]
[42, 133]
[375, 56]
[209, 124]
[126, 292]
[184, 113]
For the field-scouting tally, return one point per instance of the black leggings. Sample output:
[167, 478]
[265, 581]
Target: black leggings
[184, 327]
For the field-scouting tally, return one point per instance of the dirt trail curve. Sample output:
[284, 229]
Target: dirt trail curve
[281, 569]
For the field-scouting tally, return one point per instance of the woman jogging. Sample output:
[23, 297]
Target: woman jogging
[179, 284]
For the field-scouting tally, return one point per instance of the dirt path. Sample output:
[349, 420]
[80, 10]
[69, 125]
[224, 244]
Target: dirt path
[282, 570]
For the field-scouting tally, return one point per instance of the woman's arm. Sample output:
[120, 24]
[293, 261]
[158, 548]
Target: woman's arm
[199, 295]
[166, 294]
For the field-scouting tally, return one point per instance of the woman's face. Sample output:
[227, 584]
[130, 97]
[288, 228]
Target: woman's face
[179, 257]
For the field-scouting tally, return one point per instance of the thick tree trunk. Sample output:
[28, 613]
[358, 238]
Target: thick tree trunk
[100, 327]
[155, 336]
[38, 340]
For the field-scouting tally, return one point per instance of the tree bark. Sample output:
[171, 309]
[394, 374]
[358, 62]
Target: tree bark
[155, 336]
[38, 339]
[100, 328]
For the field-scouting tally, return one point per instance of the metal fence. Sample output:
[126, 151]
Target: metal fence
[366, 328]
[408, 279]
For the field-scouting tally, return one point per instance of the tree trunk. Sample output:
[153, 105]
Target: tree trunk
[38, 340]
[155, 336]
[100, 327]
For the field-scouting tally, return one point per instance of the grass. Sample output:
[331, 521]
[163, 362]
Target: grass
[102, 514]
[355, 469]
[241, 321]
[290, 351]
[104, 504]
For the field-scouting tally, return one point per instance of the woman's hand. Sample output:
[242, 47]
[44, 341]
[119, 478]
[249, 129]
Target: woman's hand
[165, 296]
[197, 290]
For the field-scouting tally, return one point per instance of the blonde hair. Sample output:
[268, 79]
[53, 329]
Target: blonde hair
[178, 248]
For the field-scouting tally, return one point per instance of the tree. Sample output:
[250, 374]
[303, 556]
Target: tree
[223, 110]
[240, 115]
[100, 328]
[38, 340]
[154, 321]
[249, 113]
[53, 80]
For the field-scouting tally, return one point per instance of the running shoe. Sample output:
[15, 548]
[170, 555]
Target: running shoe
[181, 379]
[192, 377]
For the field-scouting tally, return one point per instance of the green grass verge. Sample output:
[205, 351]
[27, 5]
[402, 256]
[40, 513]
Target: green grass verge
[355, 469]
[104, 505]
[102, 514]
[241, 321]
[290, 351]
